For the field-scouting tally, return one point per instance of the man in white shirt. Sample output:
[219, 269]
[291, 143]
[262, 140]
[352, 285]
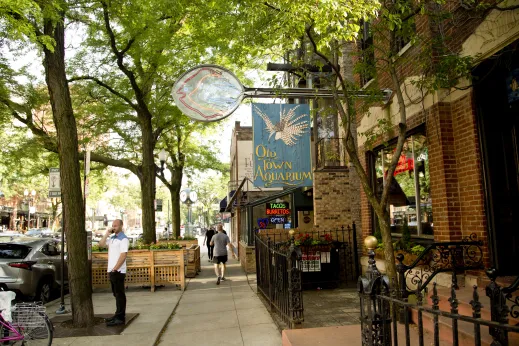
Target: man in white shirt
[117, 243]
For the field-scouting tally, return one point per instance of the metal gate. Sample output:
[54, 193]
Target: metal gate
[279, 278]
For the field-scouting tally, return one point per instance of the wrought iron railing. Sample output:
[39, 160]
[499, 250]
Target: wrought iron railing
[439, 257]
[329, 258]
[380, 307]
[279, 278]
[331, 153]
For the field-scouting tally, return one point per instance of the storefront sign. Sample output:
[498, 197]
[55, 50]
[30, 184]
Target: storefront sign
[277, 220]
[277, 208]
[281, 138]
[311, 262]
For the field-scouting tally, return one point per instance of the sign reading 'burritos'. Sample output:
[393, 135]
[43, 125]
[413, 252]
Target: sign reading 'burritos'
[281, 145]
[277, 208]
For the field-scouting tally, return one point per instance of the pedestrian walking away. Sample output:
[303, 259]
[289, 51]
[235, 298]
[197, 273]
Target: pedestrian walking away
[220, 242]
[117, 244]
[207, 240]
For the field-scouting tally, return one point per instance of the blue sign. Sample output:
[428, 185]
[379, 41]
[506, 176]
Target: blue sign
[281, 137]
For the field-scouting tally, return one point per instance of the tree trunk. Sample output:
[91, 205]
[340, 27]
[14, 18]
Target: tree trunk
[389, 255]
[63, 115]
[147, 181]
[176, 184]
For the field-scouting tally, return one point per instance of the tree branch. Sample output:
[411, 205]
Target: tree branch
[107, 87]
[139, 96]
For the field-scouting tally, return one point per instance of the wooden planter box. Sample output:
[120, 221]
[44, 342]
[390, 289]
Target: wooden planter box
[184, 243]
[144, 268]
[192, 261]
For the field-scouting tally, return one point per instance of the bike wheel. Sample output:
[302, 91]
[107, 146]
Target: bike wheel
[38, 333]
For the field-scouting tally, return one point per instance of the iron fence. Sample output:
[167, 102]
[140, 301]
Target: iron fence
[279, 278]
[329, 259]
[381, 307]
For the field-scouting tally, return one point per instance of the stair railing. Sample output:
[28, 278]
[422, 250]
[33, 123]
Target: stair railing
[439, 257]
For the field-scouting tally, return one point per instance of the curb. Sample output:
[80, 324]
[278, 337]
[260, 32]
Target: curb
[165, 326]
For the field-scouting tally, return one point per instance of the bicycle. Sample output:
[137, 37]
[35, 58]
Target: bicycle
[30, 325]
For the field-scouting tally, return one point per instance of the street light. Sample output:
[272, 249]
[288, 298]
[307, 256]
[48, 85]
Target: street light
[163, 156]
[29, 199]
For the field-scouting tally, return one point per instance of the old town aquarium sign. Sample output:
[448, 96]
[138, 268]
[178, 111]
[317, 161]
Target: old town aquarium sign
[281, 137]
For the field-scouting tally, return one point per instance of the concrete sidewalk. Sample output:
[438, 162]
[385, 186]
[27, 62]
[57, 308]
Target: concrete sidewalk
[230, 314]
[154, 310]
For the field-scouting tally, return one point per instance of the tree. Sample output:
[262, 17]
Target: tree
[186, 151]
[48, 26]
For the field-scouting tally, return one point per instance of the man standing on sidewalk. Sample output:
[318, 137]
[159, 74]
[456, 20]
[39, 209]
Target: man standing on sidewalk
[220, 242]
[117, 250]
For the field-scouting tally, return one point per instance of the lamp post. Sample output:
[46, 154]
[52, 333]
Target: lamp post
[188, 197]
[29, 199]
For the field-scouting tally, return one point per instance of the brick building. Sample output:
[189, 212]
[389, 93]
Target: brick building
[458, 173]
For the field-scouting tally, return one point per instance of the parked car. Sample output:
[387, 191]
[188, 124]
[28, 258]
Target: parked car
[31, 267]
[33, 232]
[47, 232]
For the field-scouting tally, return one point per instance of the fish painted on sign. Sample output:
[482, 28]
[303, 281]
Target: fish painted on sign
[289, 128]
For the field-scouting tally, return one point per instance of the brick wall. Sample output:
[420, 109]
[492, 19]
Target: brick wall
[331, 202]
[457, 190]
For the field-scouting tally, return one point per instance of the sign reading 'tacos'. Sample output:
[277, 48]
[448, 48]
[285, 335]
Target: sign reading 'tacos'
[278, 208]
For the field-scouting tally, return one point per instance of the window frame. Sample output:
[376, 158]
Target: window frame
[372, 158]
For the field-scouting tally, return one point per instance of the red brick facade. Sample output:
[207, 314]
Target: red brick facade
[457, 191]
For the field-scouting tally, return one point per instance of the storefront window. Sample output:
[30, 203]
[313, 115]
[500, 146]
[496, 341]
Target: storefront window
[409, 194]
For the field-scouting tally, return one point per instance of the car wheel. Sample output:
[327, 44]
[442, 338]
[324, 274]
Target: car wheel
[44, 291]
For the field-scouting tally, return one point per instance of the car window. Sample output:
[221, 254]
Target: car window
[14, 251]
[50, 249]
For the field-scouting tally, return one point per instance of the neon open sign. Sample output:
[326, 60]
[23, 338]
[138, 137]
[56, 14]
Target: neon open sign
[278, 208]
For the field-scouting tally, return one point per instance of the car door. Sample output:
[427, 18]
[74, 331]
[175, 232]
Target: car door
[53, 255]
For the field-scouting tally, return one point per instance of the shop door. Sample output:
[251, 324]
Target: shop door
[499, 129]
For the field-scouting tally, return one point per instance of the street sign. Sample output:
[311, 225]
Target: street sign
[54, 183]
[158, 205]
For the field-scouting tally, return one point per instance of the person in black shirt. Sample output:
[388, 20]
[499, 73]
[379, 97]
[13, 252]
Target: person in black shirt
[208, 236]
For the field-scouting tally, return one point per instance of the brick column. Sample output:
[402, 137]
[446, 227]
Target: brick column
[331, 202]
[443, 174]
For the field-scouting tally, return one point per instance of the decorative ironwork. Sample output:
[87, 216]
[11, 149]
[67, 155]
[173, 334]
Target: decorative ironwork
[378, 302]
[439, 257]
[514, 308]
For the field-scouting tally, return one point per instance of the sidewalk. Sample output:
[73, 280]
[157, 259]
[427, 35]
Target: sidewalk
[230, 314]
[154, 309]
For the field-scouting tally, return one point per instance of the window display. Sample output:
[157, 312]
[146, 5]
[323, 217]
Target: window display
[409, 199]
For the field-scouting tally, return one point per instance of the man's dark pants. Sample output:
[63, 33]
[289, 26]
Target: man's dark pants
[117, 281]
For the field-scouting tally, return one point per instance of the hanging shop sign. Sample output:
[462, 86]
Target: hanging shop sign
[277, 208]
[281, 137]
